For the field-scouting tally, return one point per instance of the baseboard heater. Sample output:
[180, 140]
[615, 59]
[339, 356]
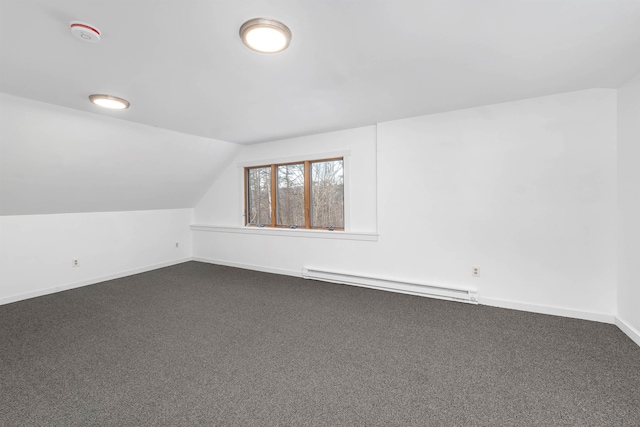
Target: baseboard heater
[433, 291]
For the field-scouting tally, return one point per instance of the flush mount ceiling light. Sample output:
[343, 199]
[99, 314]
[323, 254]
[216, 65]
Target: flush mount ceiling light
[108, 101]
[265, 35]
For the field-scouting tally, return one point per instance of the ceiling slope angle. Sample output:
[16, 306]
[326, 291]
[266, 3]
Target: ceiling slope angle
[58, 160]
[183, 65]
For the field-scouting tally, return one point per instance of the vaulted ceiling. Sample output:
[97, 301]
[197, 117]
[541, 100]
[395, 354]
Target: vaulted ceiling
[57, 160]
[350, 63]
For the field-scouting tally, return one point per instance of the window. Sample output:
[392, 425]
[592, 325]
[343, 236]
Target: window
[307, 194]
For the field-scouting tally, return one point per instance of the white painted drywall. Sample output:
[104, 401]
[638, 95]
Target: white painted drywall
[525, 190]
[36, 250]
[223, 203]
[629, 204]
[58, 160]
[351, 63]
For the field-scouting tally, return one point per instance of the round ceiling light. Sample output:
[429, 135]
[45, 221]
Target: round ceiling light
[265, 35]
[108, 101]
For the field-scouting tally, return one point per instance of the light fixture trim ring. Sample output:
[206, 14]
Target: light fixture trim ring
[246, 28]
[122, 101]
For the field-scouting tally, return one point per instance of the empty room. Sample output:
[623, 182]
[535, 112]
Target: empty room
[320, 213]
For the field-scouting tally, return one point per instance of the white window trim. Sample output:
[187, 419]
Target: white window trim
[287, 232]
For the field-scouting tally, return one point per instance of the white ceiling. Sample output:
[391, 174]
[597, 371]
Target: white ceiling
[351, 63]
[57, 160]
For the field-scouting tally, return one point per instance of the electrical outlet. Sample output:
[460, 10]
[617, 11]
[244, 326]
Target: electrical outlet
[75, 263]
[475, 271]
[177, 245]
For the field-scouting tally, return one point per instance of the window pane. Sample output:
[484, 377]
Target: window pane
[327, 194]
[290, 197]
[259, 196]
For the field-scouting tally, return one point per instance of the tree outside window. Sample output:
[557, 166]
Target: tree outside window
[307, 194]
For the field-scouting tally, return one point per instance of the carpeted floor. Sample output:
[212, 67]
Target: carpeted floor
[199, 344]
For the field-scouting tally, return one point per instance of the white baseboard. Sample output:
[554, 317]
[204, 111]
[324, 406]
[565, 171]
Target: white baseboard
[631, 332]
[494, 302]
[249, 266]
[92, 281]
[554, 311]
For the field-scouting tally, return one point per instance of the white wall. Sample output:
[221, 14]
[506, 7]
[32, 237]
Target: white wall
[36, 250]
[58, 160]
[61, 170]
[629, 205]
[525, 190]
[223, 204]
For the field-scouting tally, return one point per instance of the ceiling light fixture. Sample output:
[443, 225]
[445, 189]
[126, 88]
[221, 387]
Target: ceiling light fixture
[108, 101]
[265, 35]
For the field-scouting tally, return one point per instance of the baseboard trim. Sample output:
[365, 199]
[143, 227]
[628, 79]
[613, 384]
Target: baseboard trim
[631, 332]
[92, 281]
[494, 302]
[543, 309]
[249, 266]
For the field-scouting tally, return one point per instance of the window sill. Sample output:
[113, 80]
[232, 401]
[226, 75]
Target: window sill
[287, 232]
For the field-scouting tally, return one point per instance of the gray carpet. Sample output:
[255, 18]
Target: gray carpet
[199, 344]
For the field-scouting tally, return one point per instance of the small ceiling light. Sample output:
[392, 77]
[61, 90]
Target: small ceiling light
[265, 35]
[109, 101]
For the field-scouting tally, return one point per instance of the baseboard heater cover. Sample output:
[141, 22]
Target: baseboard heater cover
[433, 291]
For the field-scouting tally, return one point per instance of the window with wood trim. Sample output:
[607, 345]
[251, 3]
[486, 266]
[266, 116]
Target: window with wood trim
[306, 194]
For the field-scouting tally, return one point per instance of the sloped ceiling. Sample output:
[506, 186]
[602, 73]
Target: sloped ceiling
[350, 64]
[58, 160]
[193, 85]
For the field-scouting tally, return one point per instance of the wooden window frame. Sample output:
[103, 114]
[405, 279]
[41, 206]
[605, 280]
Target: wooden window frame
[274, 191]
